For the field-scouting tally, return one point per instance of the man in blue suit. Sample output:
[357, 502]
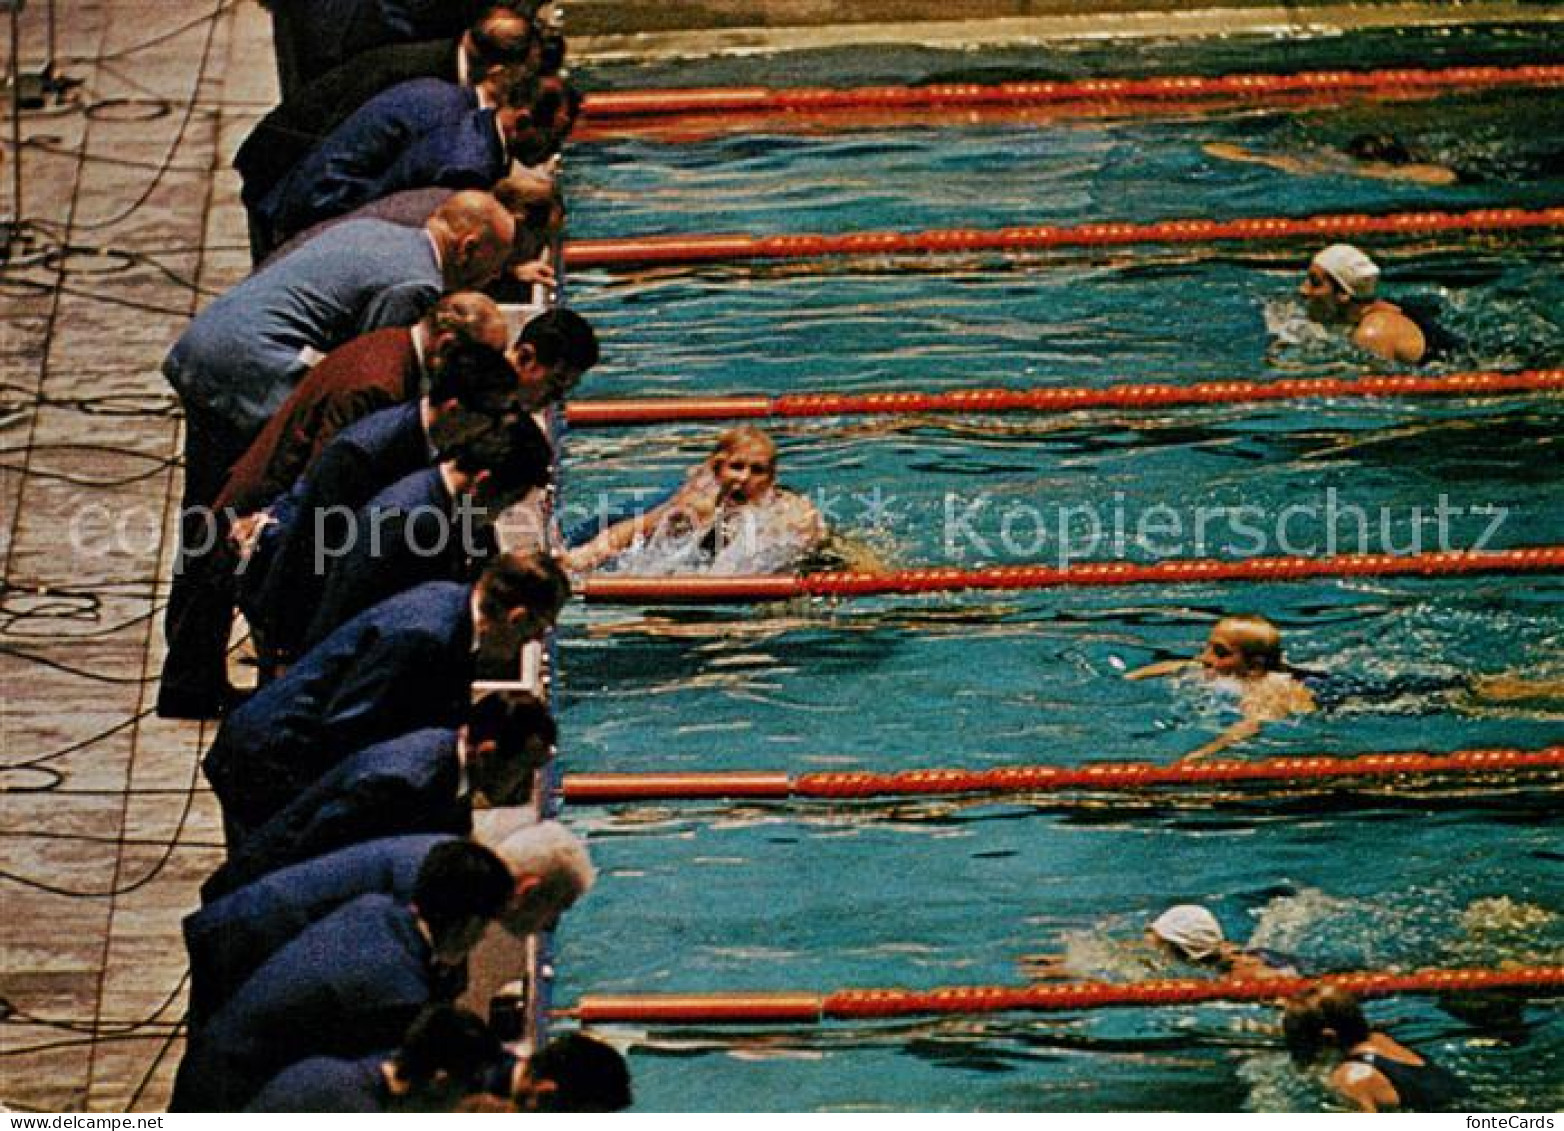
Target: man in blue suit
[433, 525]
[419, 134]
[472, 392]
[424, 781]
[404, 664]
[348, 985]
[231, 937]
[498, 37]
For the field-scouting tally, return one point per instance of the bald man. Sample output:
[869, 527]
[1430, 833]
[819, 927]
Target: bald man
[236, 363]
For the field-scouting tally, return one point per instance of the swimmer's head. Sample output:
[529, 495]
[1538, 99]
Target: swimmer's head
[1190, 931]
[1247, 645]
[1387, 148]
[1338, 277]
[1322, 1018]
[745, 464]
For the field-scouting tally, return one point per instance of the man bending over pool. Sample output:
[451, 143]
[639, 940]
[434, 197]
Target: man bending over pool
[729, 516]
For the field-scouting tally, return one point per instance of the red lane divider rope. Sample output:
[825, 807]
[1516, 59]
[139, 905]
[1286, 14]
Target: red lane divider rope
[666, 410]
[759, 99]
[715, 248]
[590, 789]
[863, 1004]
[605, 589]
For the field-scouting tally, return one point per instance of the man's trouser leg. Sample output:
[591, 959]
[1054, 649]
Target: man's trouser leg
[200, 602]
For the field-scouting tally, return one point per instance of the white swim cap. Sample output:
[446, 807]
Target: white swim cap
[1189, 929]
[1353, 271]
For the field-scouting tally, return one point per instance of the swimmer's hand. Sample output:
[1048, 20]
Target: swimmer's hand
[1044, 967]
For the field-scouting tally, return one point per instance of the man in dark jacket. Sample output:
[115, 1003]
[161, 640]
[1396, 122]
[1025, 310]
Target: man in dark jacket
[499, 37]
[404, 664]
[424, 781]
[349, 984]
[433, 525]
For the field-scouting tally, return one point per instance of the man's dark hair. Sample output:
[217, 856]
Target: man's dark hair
[522, 581]
[479, 377]
[501, 37]
[516, 454]
[517, 87]
[459, 881]
[588, 1074]
[510, 718]
[560, 335]
[449, 1040]
[552, 59]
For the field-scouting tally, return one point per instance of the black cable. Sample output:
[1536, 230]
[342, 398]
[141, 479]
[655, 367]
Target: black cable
[135, 885]
[95, 838]
[186, 118]
[155, 41]
[80, 673]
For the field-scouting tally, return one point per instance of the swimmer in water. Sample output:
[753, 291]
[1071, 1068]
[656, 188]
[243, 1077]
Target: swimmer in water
[1244, 652]
[1339, 291]
[729, 511]
[1190, 933]
[1376, 1072]
[1380, 156]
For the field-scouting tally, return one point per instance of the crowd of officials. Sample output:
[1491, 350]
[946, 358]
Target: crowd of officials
[358, 413]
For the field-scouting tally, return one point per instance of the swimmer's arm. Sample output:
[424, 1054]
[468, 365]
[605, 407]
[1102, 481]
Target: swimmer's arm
[1509, 688]
[1228, 152]
[697, 498]
[611, 542]
[1416, 173]
[1241, 731]
[1161, 668]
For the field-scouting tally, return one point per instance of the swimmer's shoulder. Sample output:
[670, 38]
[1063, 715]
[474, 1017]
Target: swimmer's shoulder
[1385, 330]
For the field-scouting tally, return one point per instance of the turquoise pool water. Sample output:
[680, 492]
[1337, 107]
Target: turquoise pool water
[921, 894]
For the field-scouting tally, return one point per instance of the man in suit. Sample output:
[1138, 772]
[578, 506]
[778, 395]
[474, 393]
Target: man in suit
[418, 134]
[531, 196]
[424, 781]
[312, 37]
[474, 392]
[374, 370]
[230, 937]
[349, 984]
[371, 372]
[499, 37]
[446, 1055]
[406, 663]
[435, 524]
[238, 360]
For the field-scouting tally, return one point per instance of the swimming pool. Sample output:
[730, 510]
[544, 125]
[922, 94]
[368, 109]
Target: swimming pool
[954, 891]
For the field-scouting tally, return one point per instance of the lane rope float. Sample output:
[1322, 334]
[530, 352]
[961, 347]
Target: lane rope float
[737, 247]
[628, 411]
[605, 788]
[808, 1008]
[607, 106]
[621, 589]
